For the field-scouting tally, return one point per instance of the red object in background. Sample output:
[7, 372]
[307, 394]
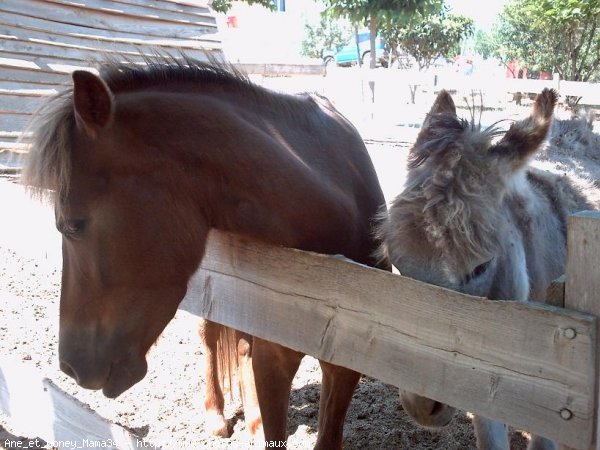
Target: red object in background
[545, 75]
[232, 21]
[513, 70]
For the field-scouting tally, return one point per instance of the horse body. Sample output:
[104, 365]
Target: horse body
[476, 218]
[144, 161]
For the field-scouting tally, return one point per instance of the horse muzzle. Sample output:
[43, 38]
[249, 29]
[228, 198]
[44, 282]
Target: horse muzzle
[104, 368]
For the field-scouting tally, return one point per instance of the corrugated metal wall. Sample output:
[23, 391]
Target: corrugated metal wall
[42, 41]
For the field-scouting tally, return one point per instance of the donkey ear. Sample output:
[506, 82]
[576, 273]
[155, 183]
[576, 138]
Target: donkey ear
[92, 101]
[524, 138]
[439, 126]
[443, 104]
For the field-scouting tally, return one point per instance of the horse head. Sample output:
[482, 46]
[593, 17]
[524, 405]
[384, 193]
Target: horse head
[130, 240]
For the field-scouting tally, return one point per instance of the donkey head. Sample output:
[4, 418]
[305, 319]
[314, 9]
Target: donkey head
[447, 226]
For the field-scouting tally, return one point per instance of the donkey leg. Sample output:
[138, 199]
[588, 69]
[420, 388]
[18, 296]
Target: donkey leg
[274, 369]
[490, 434]
[541, 443]
[426, 412]
[213, 399]
[248, 386]
[337, 388]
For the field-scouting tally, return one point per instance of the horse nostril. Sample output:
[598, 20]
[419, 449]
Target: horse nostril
[436, 408]
[66, 368]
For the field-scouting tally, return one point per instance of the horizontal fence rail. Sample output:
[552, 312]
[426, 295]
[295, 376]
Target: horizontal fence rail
[529, 365]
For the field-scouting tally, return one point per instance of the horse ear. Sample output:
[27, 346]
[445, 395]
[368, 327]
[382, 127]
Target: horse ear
[524, 138]
[92, 101]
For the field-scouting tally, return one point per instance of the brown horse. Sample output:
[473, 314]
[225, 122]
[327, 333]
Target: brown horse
[143, 161]
[476, 218]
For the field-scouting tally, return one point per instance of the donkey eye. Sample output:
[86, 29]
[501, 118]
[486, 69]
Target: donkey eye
[478, 271]
[71, 228]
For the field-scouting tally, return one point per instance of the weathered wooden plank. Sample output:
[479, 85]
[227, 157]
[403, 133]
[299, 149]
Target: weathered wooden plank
[66, 52]
[62, 13]
[11, 73]
[164, 5]
[58, 64]
[14, 121]
[11, 147]
[96, 43]
[505, 360]
[15, 103]
[48, 63]
[582, 289]
[58, 415]
[59, 28]
[16, 85]
[78, 55]
[145, 10]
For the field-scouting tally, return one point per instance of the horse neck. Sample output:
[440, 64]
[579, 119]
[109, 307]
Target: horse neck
[223, 162]
[257, 171]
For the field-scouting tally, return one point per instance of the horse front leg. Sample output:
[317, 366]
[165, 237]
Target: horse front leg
[274, 369]
[214, 402]
[248, 386]
[337, 387]
[490, 434]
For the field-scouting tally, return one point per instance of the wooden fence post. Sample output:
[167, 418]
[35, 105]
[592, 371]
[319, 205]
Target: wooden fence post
[556, 82]
[582, 290]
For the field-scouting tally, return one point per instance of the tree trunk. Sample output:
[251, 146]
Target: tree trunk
[413, 92]
[373, 38]
[357, 46]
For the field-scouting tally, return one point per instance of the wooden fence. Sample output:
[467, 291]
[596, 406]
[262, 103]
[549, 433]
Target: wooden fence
[392, 86]
[533, 366]
[42, 41]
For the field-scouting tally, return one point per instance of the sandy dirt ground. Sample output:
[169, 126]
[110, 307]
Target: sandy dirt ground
[164, 408]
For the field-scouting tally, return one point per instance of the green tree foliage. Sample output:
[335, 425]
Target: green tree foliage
[223, 6]
[328, 34]
[429, 36]
[374, 12]
[553, 35]
[485, 44]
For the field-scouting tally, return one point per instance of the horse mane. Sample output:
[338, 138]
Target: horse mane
[122, 75]
[448, 187]
[48, 167]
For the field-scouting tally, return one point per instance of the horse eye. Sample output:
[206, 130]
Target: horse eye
[71, 228]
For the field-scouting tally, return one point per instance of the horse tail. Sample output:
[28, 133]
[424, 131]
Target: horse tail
[227, 358]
